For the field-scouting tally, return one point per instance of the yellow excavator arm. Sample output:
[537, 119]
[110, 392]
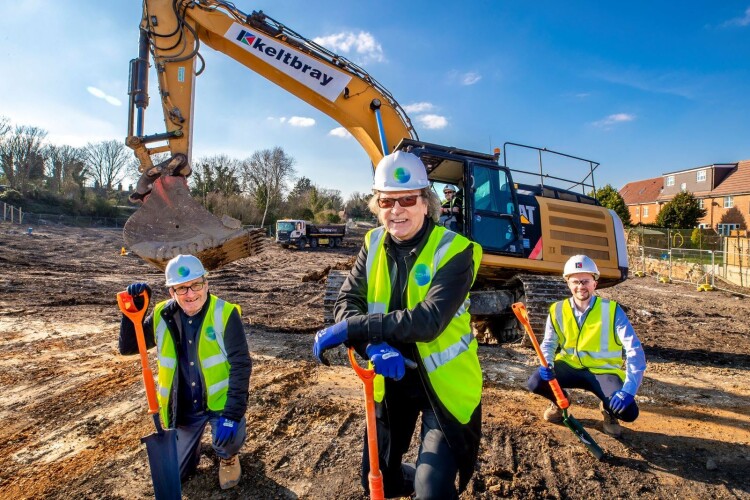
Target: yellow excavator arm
[171, 33]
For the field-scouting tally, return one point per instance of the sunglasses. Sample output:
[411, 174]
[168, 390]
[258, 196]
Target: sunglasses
[404, 201]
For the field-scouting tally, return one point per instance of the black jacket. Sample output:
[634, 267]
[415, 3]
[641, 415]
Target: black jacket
[238, 355]
[402, 328]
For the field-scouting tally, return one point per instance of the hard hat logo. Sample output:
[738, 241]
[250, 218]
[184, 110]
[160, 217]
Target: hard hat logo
[183, 271]
[401, 175]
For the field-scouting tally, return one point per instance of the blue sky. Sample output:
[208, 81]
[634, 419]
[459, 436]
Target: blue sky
[643, 88]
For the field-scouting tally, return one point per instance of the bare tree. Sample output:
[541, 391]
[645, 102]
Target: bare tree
[22, 155]
[264, 177]
[108, 162]
[65, 164]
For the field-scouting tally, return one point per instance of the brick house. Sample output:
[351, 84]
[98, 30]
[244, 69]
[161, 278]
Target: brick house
[641, 199]
[728, 204]
[723, 189]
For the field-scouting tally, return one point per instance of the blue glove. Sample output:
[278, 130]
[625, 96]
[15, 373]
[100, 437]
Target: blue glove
[387, 360]
[135, 290]
[328, 338]
[620, 401]
[226, 429]
[546, 373]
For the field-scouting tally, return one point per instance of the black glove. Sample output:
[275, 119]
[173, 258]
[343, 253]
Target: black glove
[135, 290]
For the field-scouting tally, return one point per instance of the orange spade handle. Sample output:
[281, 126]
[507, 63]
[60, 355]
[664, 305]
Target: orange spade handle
[128, 308]
[519, 309]
[375, 478]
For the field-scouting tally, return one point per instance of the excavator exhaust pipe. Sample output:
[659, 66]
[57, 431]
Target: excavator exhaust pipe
[170, 222]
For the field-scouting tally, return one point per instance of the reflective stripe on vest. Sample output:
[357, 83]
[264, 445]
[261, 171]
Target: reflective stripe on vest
[595, 345]
[212, 356]
[451, 360]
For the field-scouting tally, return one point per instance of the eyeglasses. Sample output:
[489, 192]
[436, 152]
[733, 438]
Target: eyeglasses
[404, 201]
[580, 282]
[196, 287]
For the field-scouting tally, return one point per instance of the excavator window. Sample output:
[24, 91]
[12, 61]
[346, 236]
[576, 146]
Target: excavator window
[494, 216]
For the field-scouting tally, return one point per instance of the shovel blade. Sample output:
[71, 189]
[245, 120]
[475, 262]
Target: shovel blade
[583, 436]
[165, 468]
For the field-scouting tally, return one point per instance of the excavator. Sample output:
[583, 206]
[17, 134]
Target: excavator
[527, 231]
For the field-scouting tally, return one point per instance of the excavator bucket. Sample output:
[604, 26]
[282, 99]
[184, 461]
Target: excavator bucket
[170, 222]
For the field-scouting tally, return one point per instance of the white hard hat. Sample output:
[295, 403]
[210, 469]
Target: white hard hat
[450, 187]
[182, 269]
[580, 264]
[400, 171]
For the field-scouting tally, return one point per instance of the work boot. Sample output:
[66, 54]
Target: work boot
[611, 424]
[553, 414]
[229, 472]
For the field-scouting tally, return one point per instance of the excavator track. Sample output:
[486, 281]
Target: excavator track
[334, 281]
[170, 222]
[539, 292]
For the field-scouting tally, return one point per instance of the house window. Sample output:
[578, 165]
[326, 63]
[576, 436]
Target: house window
[703, 225]
[728, 201]
[637, 210]
[683, 186]
[702, 203]
[645, 211]
[700, 176]
[725, 229]
[670, 180]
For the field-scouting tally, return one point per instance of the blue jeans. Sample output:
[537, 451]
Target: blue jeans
[189, 433]
[603, 385]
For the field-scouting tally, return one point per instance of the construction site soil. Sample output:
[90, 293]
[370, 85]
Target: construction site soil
[73, 410]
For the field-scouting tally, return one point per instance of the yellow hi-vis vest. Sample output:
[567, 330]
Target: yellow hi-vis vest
[212, 356]
[595, 345]
[451, 360]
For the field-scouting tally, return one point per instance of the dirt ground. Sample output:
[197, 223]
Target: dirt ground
[73, 409]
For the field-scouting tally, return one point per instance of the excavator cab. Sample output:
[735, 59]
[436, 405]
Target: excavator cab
[489, 206]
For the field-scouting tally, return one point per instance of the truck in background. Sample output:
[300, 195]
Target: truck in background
[299, 233]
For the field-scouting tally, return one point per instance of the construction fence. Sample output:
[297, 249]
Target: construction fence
[16, 215]
[698, 256]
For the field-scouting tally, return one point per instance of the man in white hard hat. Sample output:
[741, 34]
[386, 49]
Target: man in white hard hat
[450, 209]
[204, 365]
[583, 344]
[407, 297]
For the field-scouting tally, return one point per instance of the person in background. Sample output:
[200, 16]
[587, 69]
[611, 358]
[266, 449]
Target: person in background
[408, 296]
[450, 209]
[204, 365]
[583, 344]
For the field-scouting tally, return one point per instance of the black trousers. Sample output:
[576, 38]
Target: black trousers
[603, 385]
[434, 474]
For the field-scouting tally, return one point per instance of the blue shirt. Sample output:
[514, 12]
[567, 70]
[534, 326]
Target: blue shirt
[635, 359]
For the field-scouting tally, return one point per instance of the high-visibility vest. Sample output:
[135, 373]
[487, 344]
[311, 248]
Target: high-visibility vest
[451, 360]
[595, 345]
[212, 356]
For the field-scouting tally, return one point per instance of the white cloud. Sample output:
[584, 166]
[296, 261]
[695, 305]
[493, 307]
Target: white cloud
[470, 78]
[432, 121]
[739, 21]
[419, 107]
[114, 101]
[301, 121]
[583, 95]
[613, 120]
[340, 132]
[360, 47]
